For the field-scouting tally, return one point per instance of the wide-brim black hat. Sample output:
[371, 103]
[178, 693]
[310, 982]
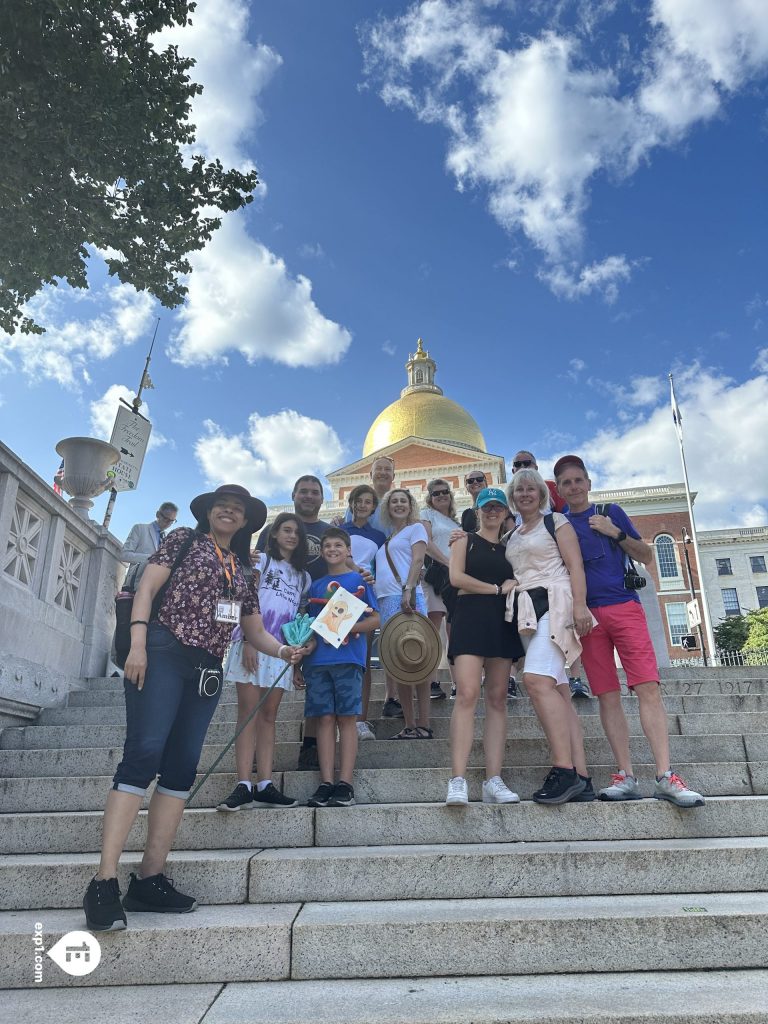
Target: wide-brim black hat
[255, 510]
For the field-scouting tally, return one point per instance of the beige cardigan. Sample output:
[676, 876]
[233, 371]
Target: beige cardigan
[562, 631]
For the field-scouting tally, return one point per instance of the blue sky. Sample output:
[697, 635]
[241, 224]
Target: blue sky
[565, 200]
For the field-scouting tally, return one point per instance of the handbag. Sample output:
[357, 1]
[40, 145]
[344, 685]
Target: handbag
[436, 575]
[124, 607]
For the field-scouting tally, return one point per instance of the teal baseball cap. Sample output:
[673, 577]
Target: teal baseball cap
[489, 494]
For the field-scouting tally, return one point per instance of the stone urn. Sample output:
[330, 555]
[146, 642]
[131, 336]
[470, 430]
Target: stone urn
[86, 464]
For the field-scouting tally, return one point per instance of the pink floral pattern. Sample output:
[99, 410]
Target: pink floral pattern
[189, 605]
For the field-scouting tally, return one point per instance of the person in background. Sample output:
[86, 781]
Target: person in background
[308, 499]
[144, 540]
[399, 563]
[366, 541]
[481, 641]
[439, 518]
[283, 587]
[474, 482]
[621, 629]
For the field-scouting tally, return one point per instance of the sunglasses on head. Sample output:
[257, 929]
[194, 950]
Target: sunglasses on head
[441, 493]
[522, 464]
[475, 479]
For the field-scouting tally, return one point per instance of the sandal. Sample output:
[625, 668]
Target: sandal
[423, 732]
[406, 734]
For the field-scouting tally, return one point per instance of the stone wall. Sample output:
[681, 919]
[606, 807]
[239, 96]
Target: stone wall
[58, 578]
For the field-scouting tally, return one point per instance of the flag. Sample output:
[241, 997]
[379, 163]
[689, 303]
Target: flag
[677, 416]
[146, 382]
[59, 476]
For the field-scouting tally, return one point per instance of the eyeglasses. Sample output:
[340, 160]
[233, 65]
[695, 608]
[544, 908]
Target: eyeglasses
[167, 518]
[522, 464]
[440, 494]
[475, 479]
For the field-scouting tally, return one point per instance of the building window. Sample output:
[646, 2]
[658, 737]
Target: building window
[419, 376]
[731, 601]
[666, 558]
[677, 621]
[762, 597]
[757, 562]
[724, 567]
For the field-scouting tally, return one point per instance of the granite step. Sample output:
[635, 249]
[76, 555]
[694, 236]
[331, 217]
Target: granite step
[391, 754]
[413, 872]
[376, 785]
[416, 938]
[695, 997]
[399, 824]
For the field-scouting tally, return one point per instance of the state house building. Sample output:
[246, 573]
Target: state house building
[428, 435]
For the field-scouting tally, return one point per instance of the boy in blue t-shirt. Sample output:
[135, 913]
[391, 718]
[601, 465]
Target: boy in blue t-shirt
[334, 676]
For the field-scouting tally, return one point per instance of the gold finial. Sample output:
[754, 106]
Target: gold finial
[420, 353]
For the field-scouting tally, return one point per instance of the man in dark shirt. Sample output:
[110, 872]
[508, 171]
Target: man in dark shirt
[474, 482]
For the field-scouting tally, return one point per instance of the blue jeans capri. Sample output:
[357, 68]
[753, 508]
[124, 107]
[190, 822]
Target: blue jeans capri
[167, 720]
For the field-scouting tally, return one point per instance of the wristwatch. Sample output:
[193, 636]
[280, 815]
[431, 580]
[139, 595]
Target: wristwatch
[622, 536]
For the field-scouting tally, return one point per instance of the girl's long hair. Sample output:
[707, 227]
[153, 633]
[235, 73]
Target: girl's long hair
[300, 555]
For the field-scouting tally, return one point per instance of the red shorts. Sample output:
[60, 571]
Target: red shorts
[622, 627]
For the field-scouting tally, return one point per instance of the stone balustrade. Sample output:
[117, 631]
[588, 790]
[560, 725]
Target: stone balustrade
[58, 578]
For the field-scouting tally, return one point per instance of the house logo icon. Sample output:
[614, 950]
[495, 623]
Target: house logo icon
[76, 953]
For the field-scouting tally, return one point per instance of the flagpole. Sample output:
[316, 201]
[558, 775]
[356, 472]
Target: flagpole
[136, 405]
[702, 592]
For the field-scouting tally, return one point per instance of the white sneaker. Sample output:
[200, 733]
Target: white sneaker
[622, 787]
[458, 794]
[495, 791]
[671, 787]
[365, 732]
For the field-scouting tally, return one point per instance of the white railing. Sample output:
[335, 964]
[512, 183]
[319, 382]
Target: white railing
[725, 659]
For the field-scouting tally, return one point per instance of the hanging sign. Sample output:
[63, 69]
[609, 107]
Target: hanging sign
[130, 435]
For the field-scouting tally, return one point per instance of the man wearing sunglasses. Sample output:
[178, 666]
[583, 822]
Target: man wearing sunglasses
[526, 460]
[144, 540]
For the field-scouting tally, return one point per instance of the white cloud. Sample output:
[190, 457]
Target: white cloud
[388, 348]
[725, 425]
[233, 72]
[539, 121]
[269, 456]
[761, 363]
[63, 352]
[242, 298]
[103, 411]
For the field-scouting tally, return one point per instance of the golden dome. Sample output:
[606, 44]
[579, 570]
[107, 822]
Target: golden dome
[423, 414]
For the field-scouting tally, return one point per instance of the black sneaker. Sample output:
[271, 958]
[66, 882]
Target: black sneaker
[579, 688]
[343, 795]
[322, 795]
[241, 796]
[560, 786]
[512, 688]
[157, 895]
[101, 903]
[392, 708]
[587, 795]
[308, 761]
[436, 692]
[272, 797]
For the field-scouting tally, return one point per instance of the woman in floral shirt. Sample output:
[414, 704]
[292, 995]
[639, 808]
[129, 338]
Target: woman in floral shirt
[167, 714]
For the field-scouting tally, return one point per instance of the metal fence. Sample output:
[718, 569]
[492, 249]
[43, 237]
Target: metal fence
[726, 658]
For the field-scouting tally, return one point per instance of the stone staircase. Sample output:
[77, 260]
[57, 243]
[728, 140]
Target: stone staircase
[400, 909]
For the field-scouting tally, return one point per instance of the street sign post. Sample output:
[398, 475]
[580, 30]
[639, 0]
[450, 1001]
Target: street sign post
[691, 609]
[130, 436]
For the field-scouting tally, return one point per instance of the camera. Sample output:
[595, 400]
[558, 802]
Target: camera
[633, 580]
[209, 682]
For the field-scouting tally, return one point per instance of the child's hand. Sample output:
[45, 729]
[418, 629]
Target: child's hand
[250, 657]
[298, 679]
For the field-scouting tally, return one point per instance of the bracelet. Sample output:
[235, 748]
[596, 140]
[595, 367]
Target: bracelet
[280, 649]
[498, 590]
[139, 622]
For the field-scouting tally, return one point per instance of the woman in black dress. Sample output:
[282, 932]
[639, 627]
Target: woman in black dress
[481, 639]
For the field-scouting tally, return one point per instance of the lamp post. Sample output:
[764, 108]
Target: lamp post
[686, 542]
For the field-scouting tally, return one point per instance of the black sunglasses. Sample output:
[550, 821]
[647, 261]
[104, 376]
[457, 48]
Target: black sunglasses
[475, 479]
[440, 494]
[522, 464]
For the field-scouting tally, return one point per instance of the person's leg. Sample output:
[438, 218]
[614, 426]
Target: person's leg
[363, 716]
[467, 671]
[550, 710]
[422, 691]
[597, 657]
[347, 747]
[119, 815]
[616, 729]
[576, 731]
[326, 746]
[496, 723]
[248, 697]
[653, 719]
[162, 823]
[266, 719]
[436, 691]
[405, 697]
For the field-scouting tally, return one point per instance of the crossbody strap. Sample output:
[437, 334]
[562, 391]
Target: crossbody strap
[160, 595]
[396, 574]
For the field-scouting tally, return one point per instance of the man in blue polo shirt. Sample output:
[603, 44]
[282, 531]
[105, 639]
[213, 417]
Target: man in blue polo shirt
[605, 542]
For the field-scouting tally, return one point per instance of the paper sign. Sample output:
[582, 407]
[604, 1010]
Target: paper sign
[335, 622]
[693, 613]
[130, 435]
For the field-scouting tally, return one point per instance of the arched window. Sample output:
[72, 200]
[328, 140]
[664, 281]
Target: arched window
[419, 376]
[666, 558]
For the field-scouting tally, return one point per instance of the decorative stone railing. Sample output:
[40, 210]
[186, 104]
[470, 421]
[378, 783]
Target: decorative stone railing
[58, 578]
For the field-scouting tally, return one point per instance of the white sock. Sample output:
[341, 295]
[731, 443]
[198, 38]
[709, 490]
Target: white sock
[246, 782]
[260, 786]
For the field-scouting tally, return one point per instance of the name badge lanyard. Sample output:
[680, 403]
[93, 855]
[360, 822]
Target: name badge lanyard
[229, 610]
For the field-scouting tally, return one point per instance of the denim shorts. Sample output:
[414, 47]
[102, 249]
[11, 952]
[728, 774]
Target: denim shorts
[166, 721]
[333, 690]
